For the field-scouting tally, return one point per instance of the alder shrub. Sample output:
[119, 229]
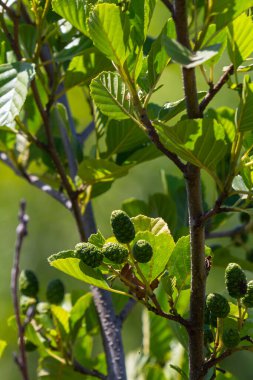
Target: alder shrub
[157, 255]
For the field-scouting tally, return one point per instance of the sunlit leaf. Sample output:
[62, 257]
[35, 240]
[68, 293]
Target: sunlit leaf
[93, 171]
[15, 79]
[111, 96]
[106, 27]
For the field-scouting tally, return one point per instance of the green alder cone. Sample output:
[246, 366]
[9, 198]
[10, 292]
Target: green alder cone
[55, 292]
[218, 305]
[142, 251]
[89, 254]
[235, 279]
[28, 283]
[248, 298]
[25, 302]
[115, 252]
[122, 226]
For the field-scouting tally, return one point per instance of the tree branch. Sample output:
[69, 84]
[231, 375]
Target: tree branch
[21, 233]
[194, 199]
[215, 89]
[122, 316]
[35, 181]
[86, 371]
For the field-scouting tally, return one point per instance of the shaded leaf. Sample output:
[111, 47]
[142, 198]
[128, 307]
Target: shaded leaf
[185, 57]
[83, 68]
[171, 109]
[93, 171]
[134, 207]
[179, 264]
[244, 114]
[62, 317]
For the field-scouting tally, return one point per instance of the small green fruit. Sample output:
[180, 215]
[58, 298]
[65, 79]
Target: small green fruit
[217, 305]
[235, 280]
[89, 254]
[115, 252]
[248, 298]
[28, 283]
[142, 251]
[55, 292]
[122, 226]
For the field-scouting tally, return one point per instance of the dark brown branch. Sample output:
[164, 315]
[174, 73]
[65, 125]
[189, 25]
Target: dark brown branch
[216, 88]
[195, 208]
[172, 317]
[21, 233]
[8, 10]
[154, 137]
[86, 371]
[212, 362]
[225, 234]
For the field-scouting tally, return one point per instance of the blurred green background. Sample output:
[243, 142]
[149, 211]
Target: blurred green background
[51, 227]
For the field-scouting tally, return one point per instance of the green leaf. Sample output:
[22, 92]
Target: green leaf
[61, 255]
[78, 310]
[226, 117]
[74, 11]
[185, 57]
[51, 369]
[201, 141]
[160, 338]
[158, 57]
[93, 171]
[240, 39]
[163, 206]
[154, 372]
[140, 13]
[123, 136]
[27, 39]
[227, 10]
[76, 47]
[106, 27]
[180, 371]
[134, 207]
[83, 68]
[75, 268]
[3, 345]
[171, 109]
[97, 239]
[15, 79]
[156, 232]
[62, 317]
[244, 114]
[180, 263]
[111, 96]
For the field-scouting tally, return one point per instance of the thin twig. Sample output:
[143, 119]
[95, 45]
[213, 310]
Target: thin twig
[8, 10]
[21, 233]
[225, 234]
[126, 310]
[86, 371]
[35, 181]
[216, 88]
